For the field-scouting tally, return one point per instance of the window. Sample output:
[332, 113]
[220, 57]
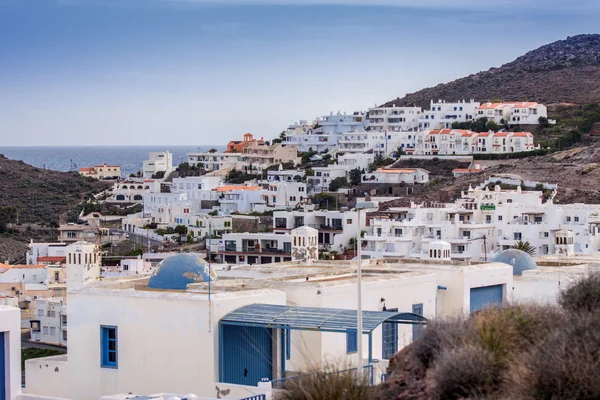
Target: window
[546, 234]
[488, 219]
[44, 330]
[517, 235]
[348, 221]
[576, 219]
[108, 346]
[398, 232]
[52, 331]
[125, 267]
[64, 333]
[568, 219]
[351, 341]
[40, 313]
[499, 217]
[509, 200]
[51, 314]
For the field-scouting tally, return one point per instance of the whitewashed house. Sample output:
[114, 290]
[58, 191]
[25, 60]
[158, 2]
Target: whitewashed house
[393, 119]
[442, 114]
[133, 191]
[409, 176]
[49, 321]
[322, 178]
[160, 161]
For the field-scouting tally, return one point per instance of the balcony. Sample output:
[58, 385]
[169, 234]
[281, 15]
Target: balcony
[254, 250]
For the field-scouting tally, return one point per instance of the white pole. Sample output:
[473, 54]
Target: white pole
[359, 323]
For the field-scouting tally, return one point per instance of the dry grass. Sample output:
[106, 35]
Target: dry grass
[583, 295]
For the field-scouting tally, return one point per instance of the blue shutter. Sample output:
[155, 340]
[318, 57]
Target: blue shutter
[108, 346]
[2, 368]
[389, 338]
[351, 341]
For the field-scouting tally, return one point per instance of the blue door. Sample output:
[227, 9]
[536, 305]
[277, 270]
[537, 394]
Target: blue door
[486, 296]
[247, 354]
[417, 309]
[390, 340]
[2, 368]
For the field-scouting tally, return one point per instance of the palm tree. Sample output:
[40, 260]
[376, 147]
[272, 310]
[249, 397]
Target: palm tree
[524, 246]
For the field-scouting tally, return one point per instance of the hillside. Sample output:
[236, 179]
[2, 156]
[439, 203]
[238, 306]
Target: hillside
[566, 71]
[40, 196]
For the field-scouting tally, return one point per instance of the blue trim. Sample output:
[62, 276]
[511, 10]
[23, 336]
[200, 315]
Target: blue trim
[371, 348]
[220, 352]
[351, 341]
[3, 379]
[109, 357]
[288, 344]
[440, 287]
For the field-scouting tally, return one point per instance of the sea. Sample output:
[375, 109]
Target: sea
[71, 158]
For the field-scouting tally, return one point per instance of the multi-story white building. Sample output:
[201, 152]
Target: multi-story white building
[161, 161]
[442, 115]
[503, 217]
[213, 161]
[352, 161]
[394, 119]
[285, 175]
[49, 321]
[283, 194]
[335, 228]
[361, 142]
[37, 250]
[162, 207]
[255, 248]
[323, 176]
[197, 187]
[397, 175]
[241, 198]
[133, 191]
[461, 142]
[513, 113]
[325, 133]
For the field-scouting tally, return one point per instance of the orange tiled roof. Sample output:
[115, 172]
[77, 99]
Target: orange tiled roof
[500, 134]
[522, 134]
[20, 266]
[229, 188]
[84, 169]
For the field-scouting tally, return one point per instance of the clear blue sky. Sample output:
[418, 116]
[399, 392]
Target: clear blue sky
[84, 72]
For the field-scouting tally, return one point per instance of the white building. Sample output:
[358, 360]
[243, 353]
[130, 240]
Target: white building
[255, 248]
[409, 176]
[49, 321]
[199, 225]
[352, 161]
[326, 132]
[133, 191]
[161, 161]
[394, 119]
[197, 187]
[214, 161]
[513, 113]
[285, 175]
[10, 352]
[442, 115]
[37, 250]
[322, 178]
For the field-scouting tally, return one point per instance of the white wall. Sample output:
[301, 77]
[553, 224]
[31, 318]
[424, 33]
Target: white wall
[164, 343]
[47, 376]
[10, 325]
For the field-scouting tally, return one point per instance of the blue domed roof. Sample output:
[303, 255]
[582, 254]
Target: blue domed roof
[178, 271]
[520, 260]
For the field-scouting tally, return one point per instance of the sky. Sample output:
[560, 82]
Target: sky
[203, 72]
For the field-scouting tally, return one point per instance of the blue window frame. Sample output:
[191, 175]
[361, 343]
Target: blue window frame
[461, 108]
[108, 346]
[351, 341]
[288, 344]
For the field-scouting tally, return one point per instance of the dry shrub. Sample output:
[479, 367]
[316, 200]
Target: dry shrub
[440, 335]
[463, 372]
[327, 384]
[566, 365]
[583, 295]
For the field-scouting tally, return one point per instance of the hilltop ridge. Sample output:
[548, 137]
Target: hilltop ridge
[565, 71]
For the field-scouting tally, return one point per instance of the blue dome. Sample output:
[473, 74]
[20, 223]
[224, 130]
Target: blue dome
[520, 260]
[178, 271]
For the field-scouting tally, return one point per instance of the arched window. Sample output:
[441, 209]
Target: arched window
[138, 197]
[125, 187]
[120, 197]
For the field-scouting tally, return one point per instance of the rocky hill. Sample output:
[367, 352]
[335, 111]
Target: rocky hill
[566, 71]
[41, 196]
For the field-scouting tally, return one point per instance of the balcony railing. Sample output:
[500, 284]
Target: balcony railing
[269, 250]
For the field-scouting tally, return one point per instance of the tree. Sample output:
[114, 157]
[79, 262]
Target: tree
[400, 151]
[337, 183]
[524, 246]
[282, 136]
[543, 122]
[212, 151]
[491, 125]
[181, 230]
[7, 215]
[355, 175]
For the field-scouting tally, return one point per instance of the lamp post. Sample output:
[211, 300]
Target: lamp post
[359, 319]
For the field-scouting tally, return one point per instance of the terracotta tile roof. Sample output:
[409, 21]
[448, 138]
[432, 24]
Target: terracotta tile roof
[523, 104]
[483, 134]
[522, 134]
[83, 169]
[20, 266]
[491, 106]
[229, 188]
[500, 134]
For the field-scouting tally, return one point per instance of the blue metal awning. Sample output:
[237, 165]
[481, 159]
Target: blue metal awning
[314, 319]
